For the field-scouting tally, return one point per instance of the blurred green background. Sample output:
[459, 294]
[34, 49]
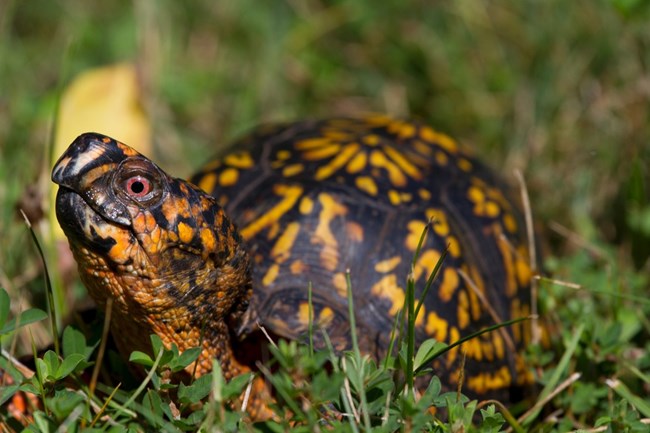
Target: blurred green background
[559, 89]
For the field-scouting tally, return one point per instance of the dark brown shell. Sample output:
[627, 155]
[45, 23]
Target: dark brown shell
[319, 198]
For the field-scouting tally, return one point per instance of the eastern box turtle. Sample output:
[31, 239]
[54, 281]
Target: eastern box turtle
[294, 205]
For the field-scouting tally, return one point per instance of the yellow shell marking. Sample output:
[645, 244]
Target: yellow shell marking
[473, 349]
[449, 284]
[475, 194]
[228, 177]
[367, 184]
[524, 375]
[297, 267]
[487, 350]
[403, 162]
[289, 194]
[520, 331]
[509, 263]
[454, 336]
[498, 345]
[339, 161]
[492, 209]
[524, 273]
[371, 139]
[303, 313]
[283, 154]
[442, 158]
[424, 194]
[336, 135]
[357, 163]
[387, 288]
[306, 205]
[419, 320]
[436, 326]
[274, 229]
[515, 312]
[406, 130]
[454, 246]
[415, 228]
[464, 165]
[426, 263]
[483, 206]
[208, 182]
[439, 219]
[462, 311]
[510, 223]
[475, 303]
[484, 382]
[388, 264]
[423, 148]
[312, 143]
[428, 134]
[322, 152]
[394, 197]
[340, 284]
[292, 170]
[323, 235]
[395, 175]
[271, 274]
[277, 164]
[354, 231]
[282, 248]
[324, 317]
[239, 160]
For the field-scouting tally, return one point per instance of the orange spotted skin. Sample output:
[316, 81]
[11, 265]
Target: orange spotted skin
[310, 201]
[167, 255]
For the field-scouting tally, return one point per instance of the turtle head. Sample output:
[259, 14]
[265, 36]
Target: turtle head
[160, 248]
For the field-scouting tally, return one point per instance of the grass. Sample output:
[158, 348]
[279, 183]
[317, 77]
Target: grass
[556, 89]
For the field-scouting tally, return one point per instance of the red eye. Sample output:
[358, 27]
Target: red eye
[138, 186]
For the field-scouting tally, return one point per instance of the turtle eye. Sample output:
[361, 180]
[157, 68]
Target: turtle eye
[140, 181]
[138, 187]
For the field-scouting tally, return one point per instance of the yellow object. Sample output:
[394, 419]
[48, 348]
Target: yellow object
[105, 100]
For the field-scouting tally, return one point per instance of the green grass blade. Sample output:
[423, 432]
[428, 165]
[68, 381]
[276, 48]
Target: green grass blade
[48, 286]
[393, 337]
[310, 329]
[562, 366]
[623, 391]
[410, 334]
[431, 279]
[357, 352]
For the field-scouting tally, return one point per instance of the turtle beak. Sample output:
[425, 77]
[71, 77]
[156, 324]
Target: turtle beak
[85, 168]
[86, 153]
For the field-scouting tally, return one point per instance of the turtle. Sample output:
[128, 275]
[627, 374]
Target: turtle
[310, 208]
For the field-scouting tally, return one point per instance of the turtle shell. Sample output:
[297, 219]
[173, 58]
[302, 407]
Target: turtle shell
[331, 203]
